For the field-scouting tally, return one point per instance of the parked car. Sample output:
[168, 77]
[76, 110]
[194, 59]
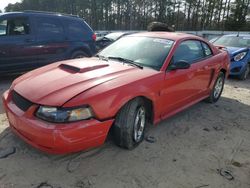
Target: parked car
[238, 47]
[140, 79]
[101, 34]
[32, 39]
[108, 39]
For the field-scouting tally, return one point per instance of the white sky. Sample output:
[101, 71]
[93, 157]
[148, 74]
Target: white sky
[4, 3]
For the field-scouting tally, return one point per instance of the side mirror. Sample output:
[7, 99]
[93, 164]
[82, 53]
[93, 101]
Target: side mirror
[179, 65]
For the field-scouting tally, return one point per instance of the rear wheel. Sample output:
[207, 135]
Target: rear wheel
[130, 123]
[78, 54]
[217, 89]
[245, 74]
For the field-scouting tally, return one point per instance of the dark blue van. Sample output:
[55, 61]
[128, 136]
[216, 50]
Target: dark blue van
[31, 39]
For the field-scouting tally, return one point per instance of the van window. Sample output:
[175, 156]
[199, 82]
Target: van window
[16, 26]
[76, 29]
[3, 27]
[48, 27]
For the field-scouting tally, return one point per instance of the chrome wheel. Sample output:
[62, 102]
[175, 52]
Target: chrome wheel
[218, 87]
[139, 125]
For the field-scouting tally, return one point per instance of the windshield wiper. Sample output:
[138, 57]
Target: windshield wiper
[101, 57]
[128, 61]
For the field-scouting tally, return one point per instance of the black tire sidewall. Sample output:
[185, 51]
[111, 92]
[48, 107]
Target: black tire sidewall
[75, 55]
[124, 124]
[243, 76]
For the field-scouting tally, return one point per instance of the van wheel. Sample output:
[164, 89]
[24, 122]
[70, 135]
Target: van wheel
[217, 89]
[78, 54]
[130, 123]
[244, 75]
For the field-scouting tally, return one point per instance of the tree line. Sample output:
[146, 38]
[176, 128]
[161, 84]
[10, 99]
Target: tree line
[137, 14]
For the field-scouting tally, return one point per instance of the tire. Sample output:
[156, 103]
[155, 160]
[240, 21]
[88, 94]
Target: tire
[245, 74]
[217, 88]
[130, 123]
[78, 54]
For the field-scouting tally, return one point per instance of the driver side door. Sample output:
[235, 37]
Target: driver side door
[182, 87]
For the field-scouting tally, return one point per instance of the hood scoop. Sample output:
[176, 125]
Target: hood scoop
[75, 69]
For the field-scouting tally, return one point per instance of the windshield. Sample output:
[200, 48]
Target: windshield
[145, 51]
[113, 36]
[233, 41]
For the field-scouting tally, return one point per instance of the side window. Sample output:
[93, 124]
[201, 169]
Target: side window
[48, 27]
[18, 26]
[13, 27]
[190, 51]
[207, 50]
[75, 29]
[3, 27]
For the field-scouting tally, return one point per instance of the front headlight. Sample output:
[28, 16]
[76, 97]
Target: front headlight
[62, 115]
[240, 56]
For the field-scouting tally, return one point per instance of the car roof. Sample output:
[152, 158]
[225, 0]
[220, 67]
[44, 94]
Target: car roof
[28, 13]
[167, 35]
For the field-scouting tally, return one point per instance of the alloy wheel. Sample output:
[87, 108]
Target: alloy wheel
[139, 125]
[218, 87]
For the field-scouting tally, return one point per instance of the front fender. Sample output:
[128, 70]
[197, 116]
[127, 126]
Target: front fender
[107, 101]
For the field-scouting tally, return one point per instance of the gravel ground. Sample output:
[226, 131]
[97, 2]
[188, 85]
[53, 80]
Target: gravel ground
[192, 150]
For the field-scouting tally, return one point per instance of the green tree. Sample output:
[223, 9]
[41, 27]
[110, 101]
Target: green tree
[137, 14]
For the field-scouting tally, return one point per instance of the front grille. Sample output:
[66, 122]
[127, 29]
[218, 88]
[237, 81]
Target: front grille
[21, 102]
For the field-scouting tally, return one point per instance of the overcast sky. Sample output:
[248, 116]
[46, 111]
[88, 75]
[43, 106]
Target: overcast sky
[4, 3]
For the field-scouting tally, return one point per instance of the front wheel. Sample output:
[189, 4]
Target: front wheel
[245, 73]
[130, 123]
[217, 89]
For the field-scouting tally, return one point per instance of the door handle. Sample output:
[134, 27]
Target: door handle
[29, 40]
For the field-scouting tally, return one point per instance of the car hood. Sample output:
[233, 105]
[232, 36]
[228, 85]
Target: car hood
[56, 84]
[235, 50]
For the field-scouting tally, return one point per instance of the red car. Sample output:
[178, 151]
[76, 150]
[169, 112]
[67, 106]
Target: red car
[140, 79]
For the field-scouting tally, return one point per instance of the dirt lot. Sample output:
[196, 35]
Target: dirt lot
[190, 149]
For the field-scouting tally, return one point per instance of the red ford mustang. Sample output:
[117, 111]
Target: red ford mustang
[143, 78]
